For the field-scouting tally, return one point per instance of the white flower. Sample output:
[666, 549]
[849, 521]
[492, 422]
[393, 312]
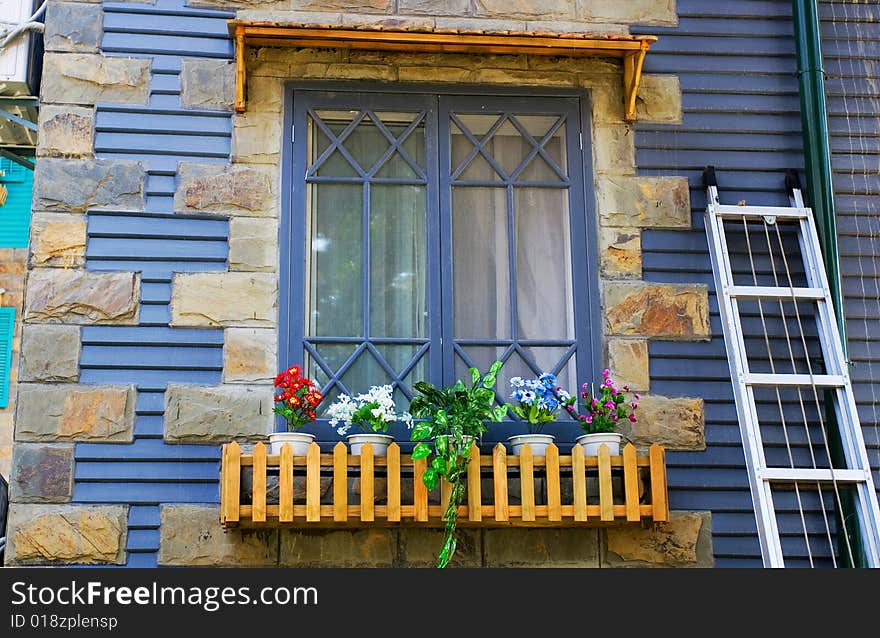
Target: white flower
[343, 430]
[516, 382]
[563, 396]
[407, 419]
[528, 396]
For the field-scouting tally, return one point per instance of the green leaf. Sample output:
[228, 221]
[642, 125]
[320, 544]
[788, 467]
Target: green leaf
[439, 464]
[421, 431]
[499, 412]
[475, 375]
[441, 418]
[421, 451]
[429, 478]
[495, 367]
[489, 381]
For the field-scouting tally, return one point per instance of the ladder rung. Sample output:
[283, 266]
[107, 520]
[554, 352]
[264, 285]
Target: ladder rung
[819, 380]
[723, 210]
[811, 475]
[773, 292]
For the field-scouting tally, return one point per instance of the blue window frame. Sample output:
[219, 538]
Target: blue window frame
[427, 232]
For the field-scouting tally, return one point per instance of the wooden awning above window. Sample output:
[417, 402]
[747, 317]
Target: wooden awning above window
[631, 49]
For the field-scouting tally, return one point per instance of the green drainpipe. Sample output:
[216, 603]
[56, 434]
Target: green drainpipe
[817, 157]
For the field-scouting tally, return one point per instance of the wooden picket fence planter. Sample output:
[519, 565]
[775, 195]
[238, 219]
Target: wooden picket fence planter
[644, 497]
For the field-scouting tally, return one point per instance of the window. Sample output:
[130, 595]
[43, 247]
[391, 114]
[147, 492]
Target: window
[429, 233]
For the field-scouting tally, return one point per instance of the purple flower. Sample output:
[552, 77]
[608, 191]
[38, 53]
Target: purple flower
[626, 388]
[636, 395]
[614, 418]
[608, 383]
[588, 418]
[614, 391]
[606, 373]
[632, 418]
[609, 405]
[634, 405]
[594, 404]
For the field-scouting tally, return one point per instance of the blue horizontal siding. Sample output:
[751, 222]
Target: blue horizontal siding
[120, 491]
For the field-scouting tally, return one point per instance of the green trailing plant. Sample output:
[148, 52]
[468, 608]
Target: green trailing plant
[455, 416]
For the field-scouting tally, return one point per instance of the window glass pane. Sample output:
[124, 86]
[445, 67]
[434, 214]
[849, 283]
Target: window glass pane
[398, 261]
[335, 260]
[545, 308]
[336, 165]
[481, 272]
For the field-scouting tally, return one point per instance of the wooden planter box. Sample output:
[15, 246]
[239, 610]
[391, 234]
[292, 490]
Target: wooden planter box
[552, 490]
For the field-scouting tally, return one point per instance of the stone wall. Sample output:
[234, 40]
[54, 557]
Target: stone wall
[62, 296]
[191, 535]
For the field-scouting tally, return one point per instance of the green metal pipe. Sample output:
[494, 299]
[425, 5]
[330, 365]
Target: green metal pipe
[820, 191]
[817, 151]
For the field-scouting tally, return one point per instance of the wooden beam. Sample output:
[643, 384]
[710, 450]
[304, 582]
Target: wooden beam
[632, 50]
[240, 70]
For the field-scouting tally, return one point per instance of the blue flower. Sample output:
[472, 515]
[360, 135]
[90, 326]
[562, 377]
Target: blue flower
[548, 379]
[528, 397]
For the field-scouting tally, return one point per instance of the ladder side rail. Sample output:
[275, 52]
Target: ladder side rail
[845, 408]
[765, 519]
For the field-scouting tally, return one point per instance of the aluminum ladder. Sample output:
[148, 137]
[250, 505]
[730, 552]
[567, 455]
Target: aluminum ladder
[834, 383]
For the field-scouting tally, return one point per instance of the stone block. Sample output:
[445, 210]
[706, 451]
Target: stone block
[253, 245]
[50, 353]
[224, 299]
[90, 78]
[539, 547]
[628, 362]
[644, 202]
[66, 131]
[249, 355]
[75, 186]
[41, 473]
[226, 189]
[614, 148]
[98, 414]
[685, 541]
[676, 423]
[348, 6]
[210, 415]
[367, 547]
[256, 137]
[664, 311]
[529, 9]
[659, 12]
[434, 7]
[420, 547]
[83, 297]
[66, 534]
[58, 240]
[73, 27]
[191, 535]
[620, 253]
[207, 84]
[659, 99]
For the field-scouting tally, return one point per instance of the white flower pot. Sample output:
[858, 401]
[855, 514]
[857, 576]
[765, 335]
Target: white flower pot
[299, 442]
[380, 443]
[591, 442]
[538, 443]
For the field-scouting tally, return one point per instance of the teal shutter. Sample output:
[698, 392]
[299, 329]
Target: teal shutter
[7, 327]
[15, 214]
